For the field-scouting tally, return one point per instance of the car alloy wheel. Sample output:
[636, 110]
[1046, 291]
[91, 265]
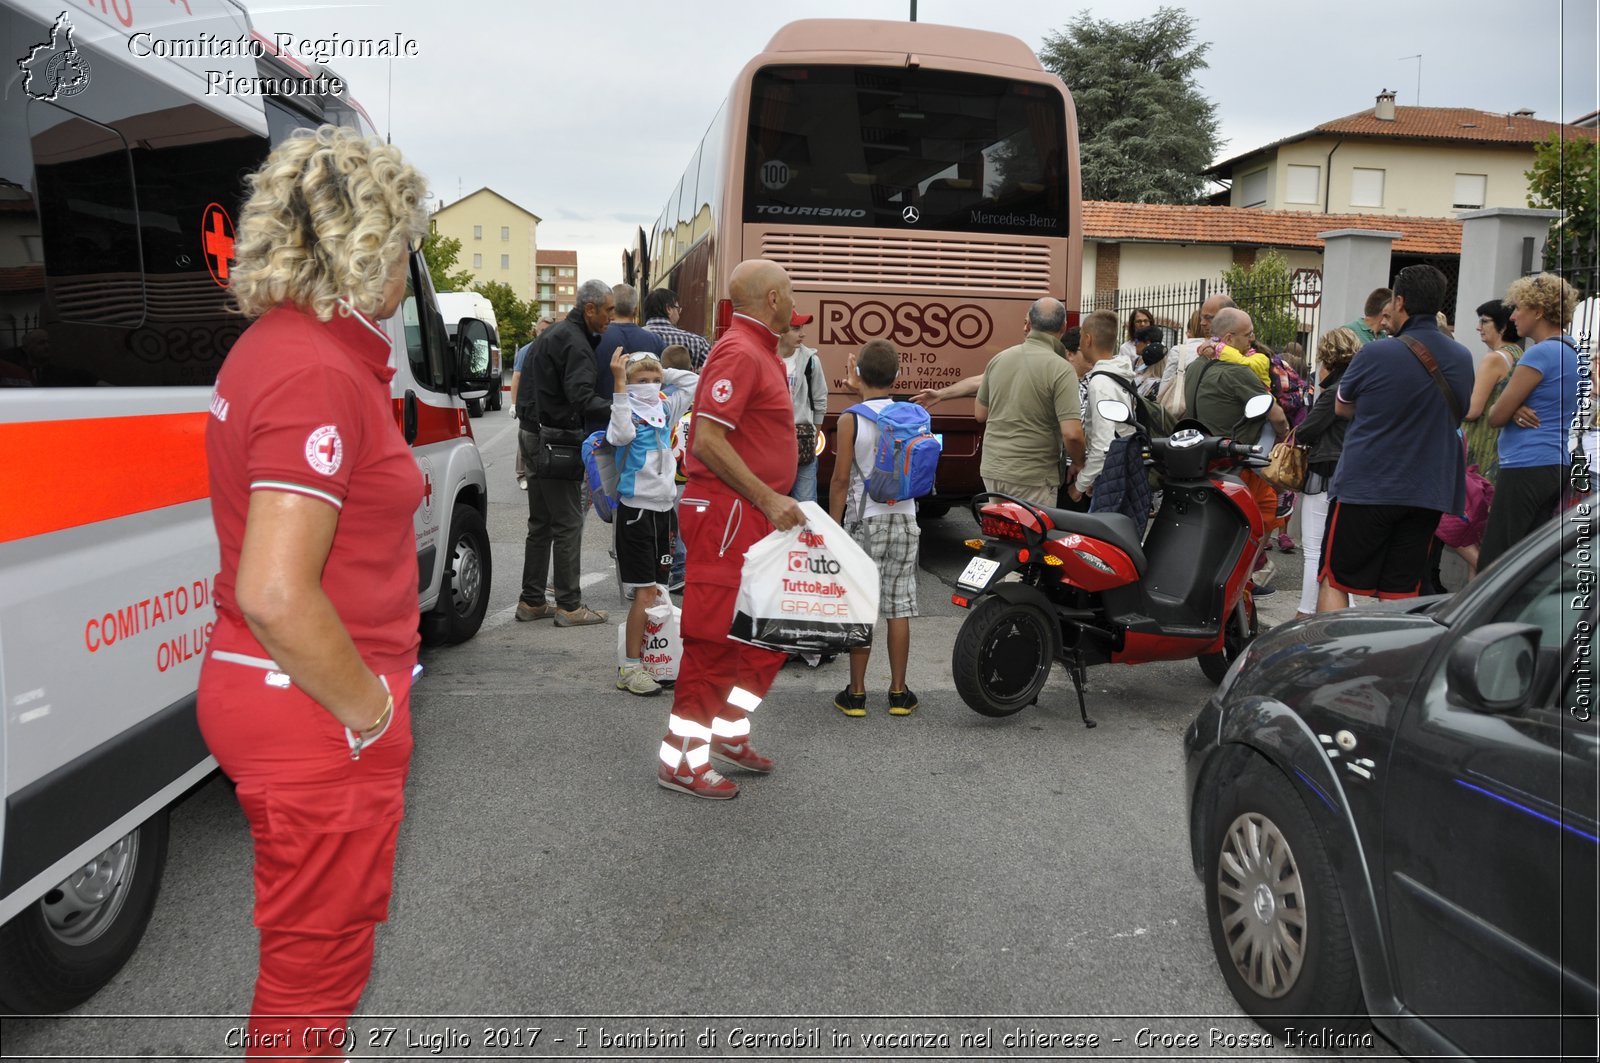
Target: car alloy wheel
[1262, 905]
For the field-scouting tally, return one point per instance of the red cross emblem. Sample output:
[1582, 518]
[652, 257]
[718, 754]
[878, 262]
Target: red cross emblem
[325, 450]
[427, 489]
[216, 238]
[722, 390]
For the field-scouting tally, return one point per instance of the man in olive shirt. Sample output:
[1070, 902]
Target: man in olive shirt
[1216, 392]
[1028, 406]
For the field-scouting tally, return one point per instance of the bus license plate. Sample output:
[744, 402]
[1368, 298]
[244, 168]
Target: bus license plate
[977, 573]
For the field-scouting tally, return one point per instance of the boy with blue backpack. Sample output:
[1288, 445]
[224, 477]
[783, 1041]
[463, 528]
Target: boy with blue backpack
[640, 430]
[885, 459]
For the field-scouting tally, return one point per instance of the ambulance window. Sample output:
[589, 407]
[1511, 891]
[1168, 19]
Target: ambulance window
[22, 270]
[281, 122]
[90, 223]
[425, 341]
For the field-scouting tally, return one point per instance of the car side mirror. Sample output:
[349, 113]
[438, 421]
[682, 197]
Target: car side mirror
[1114, 410]
[475, 370]
[1493, 668]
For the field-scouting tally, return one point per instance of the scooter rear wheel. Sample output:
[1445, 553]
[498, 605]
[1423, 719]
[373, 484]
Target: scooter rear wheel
[1003, 655]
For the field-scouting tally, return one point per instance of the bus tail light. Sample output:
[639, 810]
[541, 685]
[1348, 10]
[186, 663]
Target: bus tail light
[724, 318]
[1074, 319]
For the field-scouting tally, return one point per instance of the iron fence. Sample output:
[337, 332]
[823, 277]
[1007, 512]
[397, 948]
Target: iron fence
[1281, 313]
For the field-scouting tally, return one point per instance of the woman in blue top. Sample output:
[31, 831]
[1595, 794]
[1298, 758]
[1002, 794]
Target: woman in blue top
[1534, 413]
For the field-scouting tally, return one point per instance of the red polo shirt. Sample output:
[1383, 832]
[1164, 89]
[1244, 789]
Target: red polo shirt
[303, 406]
[744, 386]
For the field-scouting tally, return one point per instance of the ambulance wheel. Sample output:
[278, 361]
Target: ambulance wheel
[464, 594]
[61, 950]
[1003, 655]
[493, 399]
[474, 407]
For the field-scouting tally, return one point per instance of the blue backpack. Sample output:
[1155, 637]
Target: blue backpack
[600, 470]
[908, 453]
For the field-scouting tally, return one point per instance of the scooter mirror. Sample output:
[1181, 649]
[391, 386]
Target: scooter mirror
[1114, 410]
[1257, 406]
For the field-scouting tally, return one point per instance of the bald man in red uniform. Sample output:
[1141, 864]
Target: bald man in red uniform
[741, 468]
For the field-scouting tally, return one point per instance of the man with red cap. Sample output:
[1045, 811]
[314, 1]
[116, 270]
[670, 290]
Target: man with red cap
[741, 466]
[808, 387]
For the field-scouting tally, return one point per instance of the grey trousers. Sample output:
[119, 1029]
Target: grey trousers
[555, 532]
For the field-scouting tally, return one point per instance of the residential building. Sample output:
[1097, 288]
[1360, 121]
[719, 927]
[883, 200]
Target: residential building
[1393, 160]
[499, 239]
[1154, 255]
[558, 282]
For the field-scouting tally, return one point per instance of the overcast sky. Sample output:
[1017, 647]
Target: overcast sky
[587, 114]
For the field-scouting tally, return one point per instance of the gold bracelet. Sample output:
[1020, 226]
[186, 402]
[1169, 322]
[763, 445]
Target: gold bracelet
[382, 716]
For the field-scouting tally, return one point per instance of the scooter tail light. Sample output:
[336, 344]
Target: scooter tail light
[1000, 528]
[1053, 560]
[974, 544]
[963, 602]
[1024, 556]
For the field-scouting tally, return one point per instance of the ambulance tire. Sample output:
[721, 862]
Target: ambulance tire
[474, 407]
[458, 616]
[494, 399]
[61, 950]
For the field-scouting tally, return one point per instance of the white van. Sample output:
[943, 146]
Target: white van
[120, 179]
[484, 357]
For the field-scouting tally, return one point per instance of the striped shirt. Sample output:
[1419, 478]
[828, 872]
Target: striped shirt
[699, 346]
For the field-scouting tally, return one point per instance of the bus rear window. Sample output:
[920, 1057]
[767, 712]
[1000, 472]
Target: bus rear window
[906, 148]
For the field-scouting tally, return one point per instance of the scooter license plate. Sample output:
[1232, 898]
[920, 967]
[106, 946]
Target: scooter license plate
[977, 573]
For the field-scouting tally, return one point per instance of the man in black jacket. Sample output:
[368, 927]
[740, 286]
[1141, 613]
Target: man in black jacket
[557, 391]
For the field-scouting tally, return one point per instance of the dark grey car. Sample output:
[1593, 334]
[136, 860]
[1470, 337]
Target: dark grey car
[1393, 811]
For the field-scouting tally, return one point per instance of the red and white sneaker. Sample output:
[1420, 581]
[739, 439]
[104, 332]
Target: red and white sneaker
[740, 755]
[707, 783]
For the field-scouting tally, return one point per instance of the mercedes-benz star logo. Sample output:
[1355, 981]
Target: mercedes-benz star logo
[912, 215]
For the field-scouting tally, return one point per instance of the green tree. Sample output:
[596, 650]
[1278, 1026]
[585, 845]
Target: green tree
[1566, 177]
[1263, 291]
[442, 253]
[515, 317]
[1145, 132]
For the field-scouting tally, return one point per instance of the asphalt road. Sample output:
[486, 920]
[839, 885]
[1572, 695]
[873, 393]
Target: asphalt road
[942, 873]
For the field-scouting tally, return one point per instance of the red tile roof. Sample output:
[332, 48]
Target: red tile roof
[547, 257]
[1454, 124]
[1251, 227]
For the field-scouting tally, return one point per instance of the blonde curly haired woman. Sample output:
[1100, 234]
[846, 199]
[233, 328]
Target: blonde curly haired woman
[305, 691]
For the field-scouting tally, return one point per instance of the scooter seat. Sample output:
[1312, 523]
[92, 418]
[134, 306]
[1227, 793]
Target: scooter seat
[1114, 528]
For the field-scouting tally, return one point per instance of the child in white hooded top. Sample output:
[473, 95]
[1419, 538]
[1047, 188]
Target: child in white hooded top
[642, 419]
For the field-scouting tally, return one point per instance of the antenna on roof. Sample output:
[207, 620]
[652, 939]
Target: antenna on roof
[1418, 58]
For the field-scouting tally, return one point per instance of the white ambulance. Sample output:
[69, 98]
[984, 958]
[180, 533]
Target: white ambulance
[120, 179]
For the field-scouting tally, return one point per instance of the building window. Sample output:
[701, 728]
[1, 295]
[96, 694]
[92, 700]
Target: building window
[505, 232]
[569, 272]
[1366, 187]
[1471, 191]
[477, 261]
[477, 232]
[505, 261]
[1253, 189]
[1304, 185]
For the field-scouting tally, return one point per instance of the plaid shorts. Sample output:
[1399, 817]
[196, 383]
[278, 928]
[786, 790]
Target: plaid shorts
[892, 541]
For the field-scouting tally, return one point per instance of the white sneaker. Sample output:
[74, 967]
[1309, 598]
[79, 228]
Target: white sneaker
[522, 482]
[636, 680]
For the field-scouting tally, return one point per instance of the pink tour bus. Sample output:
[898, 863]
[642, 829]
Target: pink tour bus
[918, 182]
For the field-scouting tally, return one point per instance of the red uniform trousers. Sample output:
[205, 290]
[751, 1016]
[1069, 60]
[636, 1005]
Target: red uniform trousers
[324, 828]
[720, 681]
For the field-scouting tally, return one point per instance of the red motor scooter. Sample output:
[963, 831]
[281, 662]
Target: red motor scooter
[1090, 592]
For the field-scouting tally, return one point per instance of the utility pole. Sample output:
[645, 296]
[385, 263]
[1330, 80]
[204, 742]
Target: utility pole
[913, 10]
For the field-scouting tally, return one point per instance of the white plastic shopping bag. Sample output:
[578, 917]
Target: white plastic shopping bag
[809, 589]
[663, 647]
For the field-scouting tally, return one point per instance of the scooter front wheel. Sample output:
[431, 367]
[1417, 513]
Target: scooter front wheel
[1003, 655]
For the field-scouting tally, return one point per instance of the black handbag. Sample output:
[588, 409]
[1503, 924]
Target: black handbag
[805, 436]
[557, 454]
